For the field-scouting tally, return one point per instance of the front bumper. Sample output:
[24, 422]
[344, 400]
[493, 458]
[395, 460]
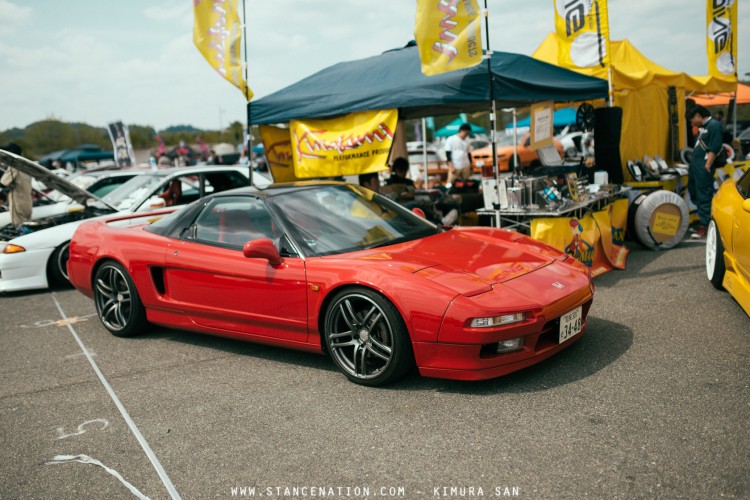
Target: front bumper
[24, 271]
[465, 353]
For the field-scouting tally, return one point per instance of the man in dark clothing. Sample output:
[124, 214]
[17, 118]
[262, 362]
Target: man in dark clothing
[702, 166]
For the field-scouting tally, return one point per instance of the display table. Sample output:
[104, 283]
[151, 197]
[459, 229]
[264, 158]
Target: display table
[520, 219]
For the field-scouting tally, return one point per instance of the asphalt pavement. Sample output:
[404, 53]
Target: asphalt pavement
[651, 403]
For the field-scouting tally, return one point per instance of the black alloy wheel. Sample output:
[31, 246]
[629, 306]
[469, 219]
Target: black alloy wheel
[367, 338]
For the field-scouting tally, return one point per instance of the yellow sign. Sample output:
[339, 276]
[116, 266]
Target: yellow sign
[217, 33]
[277, 146]
[356, 143]
[612, 222]
[582, 28]
[721, 38]
[448, 35]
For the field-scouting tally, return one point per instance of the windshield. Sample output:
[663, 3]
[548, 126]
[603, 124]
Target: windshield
[333, 219]
[132, 191]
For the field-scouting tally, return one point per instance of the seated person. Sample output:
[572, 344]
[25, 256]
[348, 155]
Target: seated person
[172, 194]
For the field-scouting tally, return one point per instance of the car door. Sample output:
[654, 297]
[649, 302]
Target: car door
[741, 228]
[210, 279]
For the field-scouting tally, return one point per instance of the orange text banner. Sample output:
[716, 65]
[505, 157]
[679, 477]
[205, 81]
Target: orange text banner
[353, 144]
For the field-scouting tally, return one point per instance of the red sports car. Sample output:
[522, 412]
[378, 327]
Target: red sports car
[335, 268]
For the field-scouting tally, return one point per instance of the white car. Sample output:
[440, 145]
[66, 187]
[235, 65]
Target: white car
[35, 254]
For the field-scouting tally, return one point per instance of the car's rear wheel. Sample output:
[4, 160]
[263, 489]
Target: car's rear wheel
[117, 302]
[715, 267]
[57, 267]
[367, 338]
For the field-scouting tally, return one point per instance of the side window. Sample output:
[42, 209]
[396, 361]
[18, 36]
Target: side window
[223, 181]
[743, 185]
[233, 221]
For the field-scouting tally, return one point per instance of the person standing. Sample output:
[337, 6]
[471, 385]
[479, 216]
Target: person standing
[18, 185]
[703, 164]
[457, 149]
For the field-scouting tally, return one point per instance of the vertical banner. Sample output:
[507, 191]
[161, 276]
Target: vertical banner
[582, 28]
[277, 146]
[217, 33]
[448, 35]
[721, 38]
[356, 143]
[120, 137]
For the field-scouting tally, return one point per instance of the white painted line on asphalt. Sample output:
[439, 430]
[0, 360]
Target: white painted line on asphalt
[85, 459]
[141, 440]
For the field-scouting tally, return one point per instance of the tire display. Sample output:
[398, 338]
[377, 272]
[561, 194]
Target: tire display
[658, 220]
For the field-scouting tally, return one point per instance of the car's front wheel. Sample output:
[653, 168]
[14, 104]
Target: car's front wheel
[117, 301]
[57, 266]
[366, 337]
[715, 267]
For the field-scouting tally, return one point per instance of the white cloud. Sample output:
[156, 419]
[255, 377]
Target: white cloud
[14, 17]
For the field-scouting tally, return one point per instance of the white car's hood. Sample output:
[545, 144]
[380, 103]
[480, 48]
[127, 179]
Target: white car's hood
[36, 171]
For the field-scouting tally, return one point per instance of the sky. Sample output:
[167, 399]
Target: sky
[102, 61]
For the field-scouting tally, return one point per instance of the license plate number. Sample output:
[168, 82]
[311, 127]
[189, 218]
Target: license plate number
[570, 324]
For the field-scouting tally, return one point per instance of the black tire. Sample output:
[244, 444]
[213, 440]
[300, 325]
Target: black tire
[715, 266]
[117, 302]
[57, 266]
[367, 338]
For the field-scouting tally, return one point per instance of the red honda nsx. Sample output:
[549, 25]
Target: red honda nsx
[335, 268]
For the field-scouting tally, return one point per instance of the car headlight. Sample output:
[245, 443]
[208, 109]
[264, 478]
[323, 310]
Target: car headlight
[505, 319]
[509, 345]
[11, 248]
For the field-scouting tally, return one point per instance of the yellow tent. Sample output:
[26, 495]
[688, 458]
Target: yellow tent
[641, 88]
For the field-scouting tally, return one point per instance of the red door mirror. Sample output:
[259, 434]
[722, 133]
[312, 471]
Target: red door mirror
[263, 248]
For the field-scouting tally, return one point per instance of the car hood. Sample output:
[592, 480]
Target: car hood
[468, 261]
[38, 172]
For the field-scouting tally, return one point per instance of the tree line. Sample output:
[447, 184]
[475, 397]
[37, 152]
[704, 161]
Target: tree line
[46, 136]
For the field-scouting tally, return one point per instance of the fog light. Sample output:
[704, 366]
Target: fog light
[505, 319]
[510, 345]
[11, 248]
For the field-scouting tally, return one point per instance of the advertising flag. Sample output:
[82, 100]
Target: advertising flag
[448, 35]
[356, 143]
[120, 137]
[721, 38]
[582, 28]
[277, 146]
[217, 33]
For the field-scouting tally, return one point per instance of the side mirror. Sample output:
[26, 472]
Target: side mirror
[262, 248]
[746, 205]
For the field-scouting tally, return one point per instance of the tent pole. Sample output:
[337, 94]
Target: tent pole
[424, 152]
[493, 127]
[249, 136]
[609, 85]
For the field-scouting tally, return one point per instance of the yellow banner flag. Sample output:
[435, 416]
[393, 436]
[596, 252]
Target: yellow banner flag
[217, 34]
[356, 143]
[448, 35]
[582, 28]
[721, 38]
[277, 146]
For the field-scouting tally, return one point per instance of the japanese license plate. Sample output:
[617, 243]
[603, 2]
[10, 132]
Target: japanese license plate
[479, 163]
[570, 324]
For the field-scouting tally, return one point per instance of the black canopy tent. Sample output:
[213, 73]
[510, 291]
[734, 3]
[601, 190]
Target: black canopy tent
[394, 79]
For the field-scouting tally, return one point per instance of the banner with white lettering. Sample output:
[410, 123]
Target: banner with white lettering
[582, 28]
[217, 33]
[448, 35]
[356, 143]
[721, 38]
[120, 137]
